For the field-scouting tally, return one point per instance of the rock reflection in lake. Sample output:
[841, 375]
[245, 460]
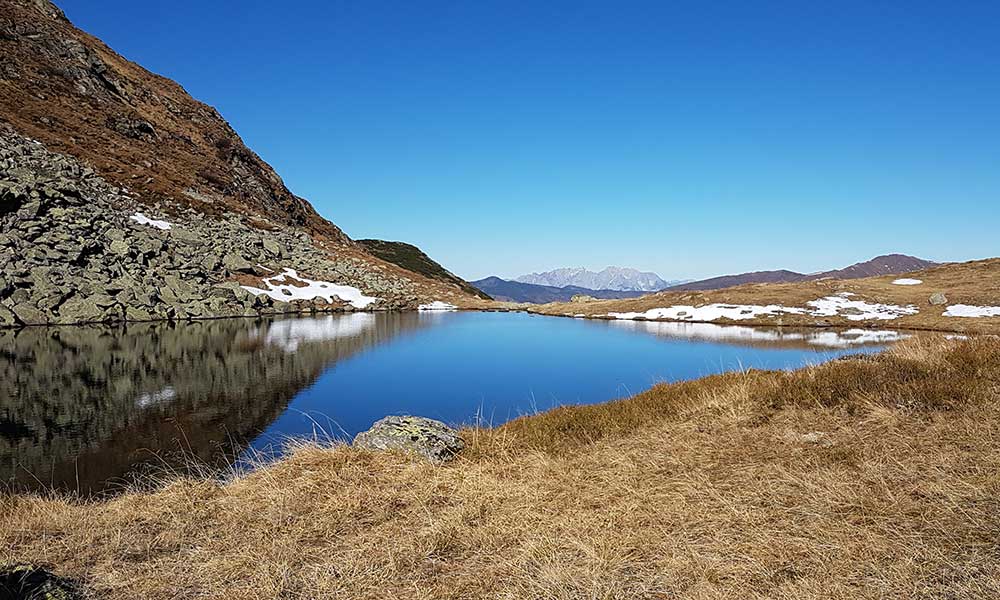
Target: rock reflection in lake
[83, 407]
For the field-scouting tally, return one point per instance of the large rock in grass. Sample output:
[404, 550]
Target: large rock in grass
[431, 439]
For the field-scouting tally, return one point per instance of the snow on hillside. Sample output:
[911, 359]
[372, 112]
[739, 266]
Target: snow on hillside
[300, 288]
[840, 305]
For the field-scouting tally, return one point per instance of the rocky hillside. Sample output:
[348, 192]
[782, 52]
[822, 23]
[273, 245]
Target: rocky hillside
[123, 198]
[70, 91]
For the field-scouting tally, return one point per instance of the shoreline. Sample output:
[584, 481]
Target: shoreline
[774, 462]
[755, 323]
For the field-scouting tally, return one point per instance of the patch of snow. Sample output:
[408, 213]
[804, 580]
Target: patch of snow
[964, 310]
[906, 281]
[955, 336]
[437, 305]
[311, 290]
[853, 310]
[142, 219]
[858, 310]
[289, 333]
[711, 312]
[148, 399]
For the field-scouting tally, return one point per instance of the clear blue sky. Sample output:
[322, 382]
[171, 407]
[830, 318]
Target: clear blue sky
[690, 138]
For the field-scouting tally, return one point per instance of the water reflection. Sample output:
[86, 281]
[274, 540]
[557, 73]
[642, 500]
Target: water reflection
[765, 336]
[81, 407]
[86, 408]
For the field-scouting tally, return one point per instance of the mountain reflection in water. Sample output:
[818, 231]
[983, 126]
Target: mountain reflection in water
[82, 407]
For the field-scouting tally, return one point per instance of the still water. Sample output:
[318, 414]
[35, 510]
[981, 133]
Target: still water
[88, 408]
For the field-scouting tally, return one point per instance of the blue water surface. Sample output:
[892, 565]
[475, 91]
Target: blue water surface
[87, 408]
[472, 367]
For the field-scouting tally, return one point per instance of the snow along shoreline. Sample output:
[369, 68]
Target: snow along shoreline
[830, 306]
[289, 285]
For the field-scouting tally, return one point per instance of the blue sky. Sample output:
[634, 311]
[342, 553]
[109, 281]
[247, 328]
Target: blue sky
[688, 138]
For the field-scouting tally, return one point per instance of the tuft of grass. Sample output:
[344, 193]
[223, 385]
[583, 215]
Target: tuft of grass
[863, 478]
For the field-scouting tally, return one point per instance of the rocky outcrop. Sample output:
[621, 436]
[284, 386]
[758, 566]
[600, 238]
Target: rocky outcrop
[72, 250]
[124, 198]
[938, 299]
[428, 438]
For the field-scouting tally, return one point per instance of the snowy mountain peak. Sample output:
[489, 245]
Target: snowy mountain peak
[611, 278]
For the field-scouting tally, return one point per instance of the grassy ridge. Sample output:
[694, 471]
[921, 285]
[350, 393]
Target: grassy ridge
[861, 478]
[414, 259]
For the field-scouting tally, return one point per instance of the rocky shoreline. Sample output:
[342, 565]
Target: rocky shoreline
[77, 249]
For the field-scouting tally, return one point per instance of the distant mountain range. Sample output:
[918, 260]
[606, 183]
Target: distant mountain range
[515, 291]
[888, 264]
[520, 291]
[612, 278]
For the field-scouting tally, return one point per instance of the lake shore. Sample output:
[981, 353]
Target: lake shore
[862, 477]
[957, 298]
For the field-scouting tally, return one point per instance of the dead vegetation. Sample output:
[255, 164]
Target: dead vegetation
[861, 478]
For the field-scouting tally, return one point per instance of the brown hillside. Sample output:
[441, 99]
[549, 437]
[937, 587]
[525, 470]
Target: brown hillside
[888, 264]
[139, 130]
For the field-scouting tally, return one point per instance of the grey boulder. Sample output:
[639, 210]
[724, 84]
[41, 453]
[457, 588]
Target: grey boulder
[938, 299]
[428, 438]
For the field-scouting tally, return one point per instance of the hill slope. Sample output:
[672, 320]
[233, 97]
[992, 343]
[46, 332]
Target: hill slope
[889, 264]
[414, 259]
[123, 198]
[137, 129]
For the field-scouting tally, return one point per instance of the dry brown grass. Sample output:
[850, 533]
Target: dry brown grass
[975, 283]
[705, 489]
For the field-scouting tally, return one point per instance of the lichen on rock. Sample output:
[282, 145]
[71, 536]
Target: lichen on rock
[428, 438]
